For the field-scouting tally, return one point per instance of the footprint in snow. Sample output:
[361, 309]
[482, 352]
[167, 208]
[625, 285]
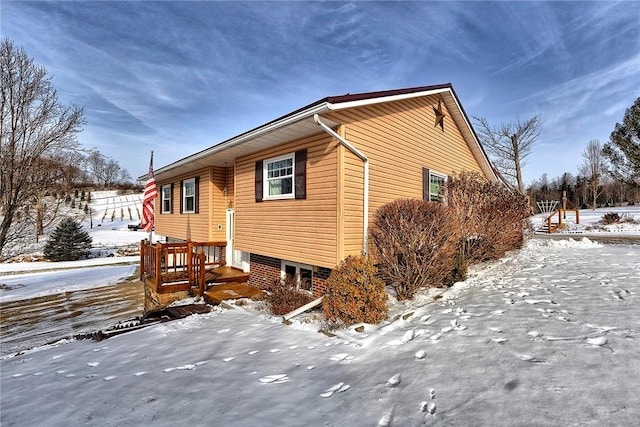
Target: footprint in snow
[274, 379]
[338, 388]
[228, 359]
[528, 358]
[425, 318]
[597, 341]
[432, 393]
[428, 407]
[223, 331]
[139, 374]
[386, 419]
[341, 357]
[498, 312]
[408, 336]
[499, 340]
[252, 352]
[110, 378]
[274, 350]
[496, 330]
[93, 364]
[188, 367]
[394, 380]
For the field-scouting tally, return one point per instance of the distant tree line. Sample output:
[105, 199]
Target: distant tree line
[608, 176]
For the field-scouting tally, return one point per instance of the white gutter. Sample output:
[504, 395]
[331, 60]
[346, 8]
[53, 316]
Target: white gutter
[242, 138]
[365, 161]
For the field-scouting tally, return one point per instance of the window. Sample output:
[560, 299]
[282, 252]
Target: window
[300, 274]
[166, 194]
[283, 177]
[278, 177]
[189, 196]
[436, 182]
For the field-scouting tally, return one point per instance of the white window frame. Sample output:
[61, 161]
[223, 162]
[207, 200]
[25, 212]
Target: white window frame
[186, 183]
[266, 179]
[165, 199]
[434, 197]
[297, 266]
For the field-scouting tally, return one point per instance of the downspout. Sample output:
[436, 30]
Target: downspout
[365, 161]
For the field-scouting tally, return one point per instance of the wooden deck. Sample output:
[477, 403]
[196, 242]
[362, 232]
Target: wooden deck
[216, 275]
[171, 271]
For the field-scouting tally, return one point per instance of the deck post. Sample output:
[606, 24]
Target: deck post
[158, 261]
[201, 271]
[142, 245]
[190, 274]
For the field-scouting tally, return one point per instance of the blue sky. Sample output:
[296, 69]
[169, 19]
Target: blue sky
[178, 77]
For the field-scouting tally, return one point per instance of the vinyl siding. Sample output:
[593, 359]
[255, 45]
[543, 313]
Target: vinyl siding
[211, 209]
[297, 230]
[399, 139]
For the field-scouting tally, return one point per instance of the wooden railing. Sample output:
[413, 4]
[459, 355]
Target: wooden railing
[553, 226]
[174, 267]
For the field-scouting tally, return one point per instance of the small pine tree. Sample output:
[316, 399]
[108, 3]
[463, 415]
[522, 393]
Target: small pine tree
[68, 242]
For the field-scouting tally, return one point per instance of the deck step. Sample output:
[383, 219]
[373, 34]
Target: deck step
[215, 294]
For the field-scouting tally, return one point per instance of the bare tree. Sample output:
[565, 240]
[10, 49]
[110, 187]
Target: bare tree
[33, 125]
[593, 169]
[105, 171]
[509, 146]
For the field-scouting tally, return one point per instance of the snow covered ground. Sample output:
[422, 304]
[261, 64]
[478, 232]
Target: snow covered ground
[590, 223]
[549, 335]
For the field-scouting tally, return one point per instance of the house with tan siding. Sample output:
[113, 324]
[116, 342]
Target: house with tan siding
[295, 196]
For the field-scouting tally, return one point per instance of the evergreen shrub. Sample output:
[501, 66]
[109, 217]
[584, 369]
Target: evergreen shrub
[355, 294]
[68, 242]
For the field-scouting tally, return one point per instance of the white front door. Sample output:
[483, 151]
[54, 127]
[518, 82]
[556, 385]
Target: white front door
[234, 257]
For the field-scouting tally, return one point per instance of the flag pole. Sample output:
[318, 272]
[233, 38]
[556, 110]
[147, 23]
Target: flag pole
[151, 230]
[148, 203]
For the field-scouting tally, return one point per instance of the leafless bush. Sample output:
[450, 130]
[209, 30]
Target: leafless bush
[283, 297]
[610, 218]
[490, 218]
[414, 244]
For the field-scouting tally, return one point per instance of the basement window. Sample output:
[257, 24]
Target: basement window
[300, 274]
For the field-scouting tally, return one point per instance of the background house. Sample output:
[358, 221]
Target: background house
[295, 195]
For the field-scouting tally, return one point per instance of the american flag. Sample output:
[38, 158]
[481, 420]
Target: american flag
[150, 193]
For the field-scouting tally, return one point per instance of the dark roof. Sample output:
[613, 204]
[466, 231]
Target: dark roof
[380, 94]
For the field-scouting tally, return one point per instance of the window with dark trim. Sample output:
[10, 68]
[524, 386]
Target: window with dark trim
[189, 195]
[282, 177]
[432, 183]
[278, 177]
[166, 193]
